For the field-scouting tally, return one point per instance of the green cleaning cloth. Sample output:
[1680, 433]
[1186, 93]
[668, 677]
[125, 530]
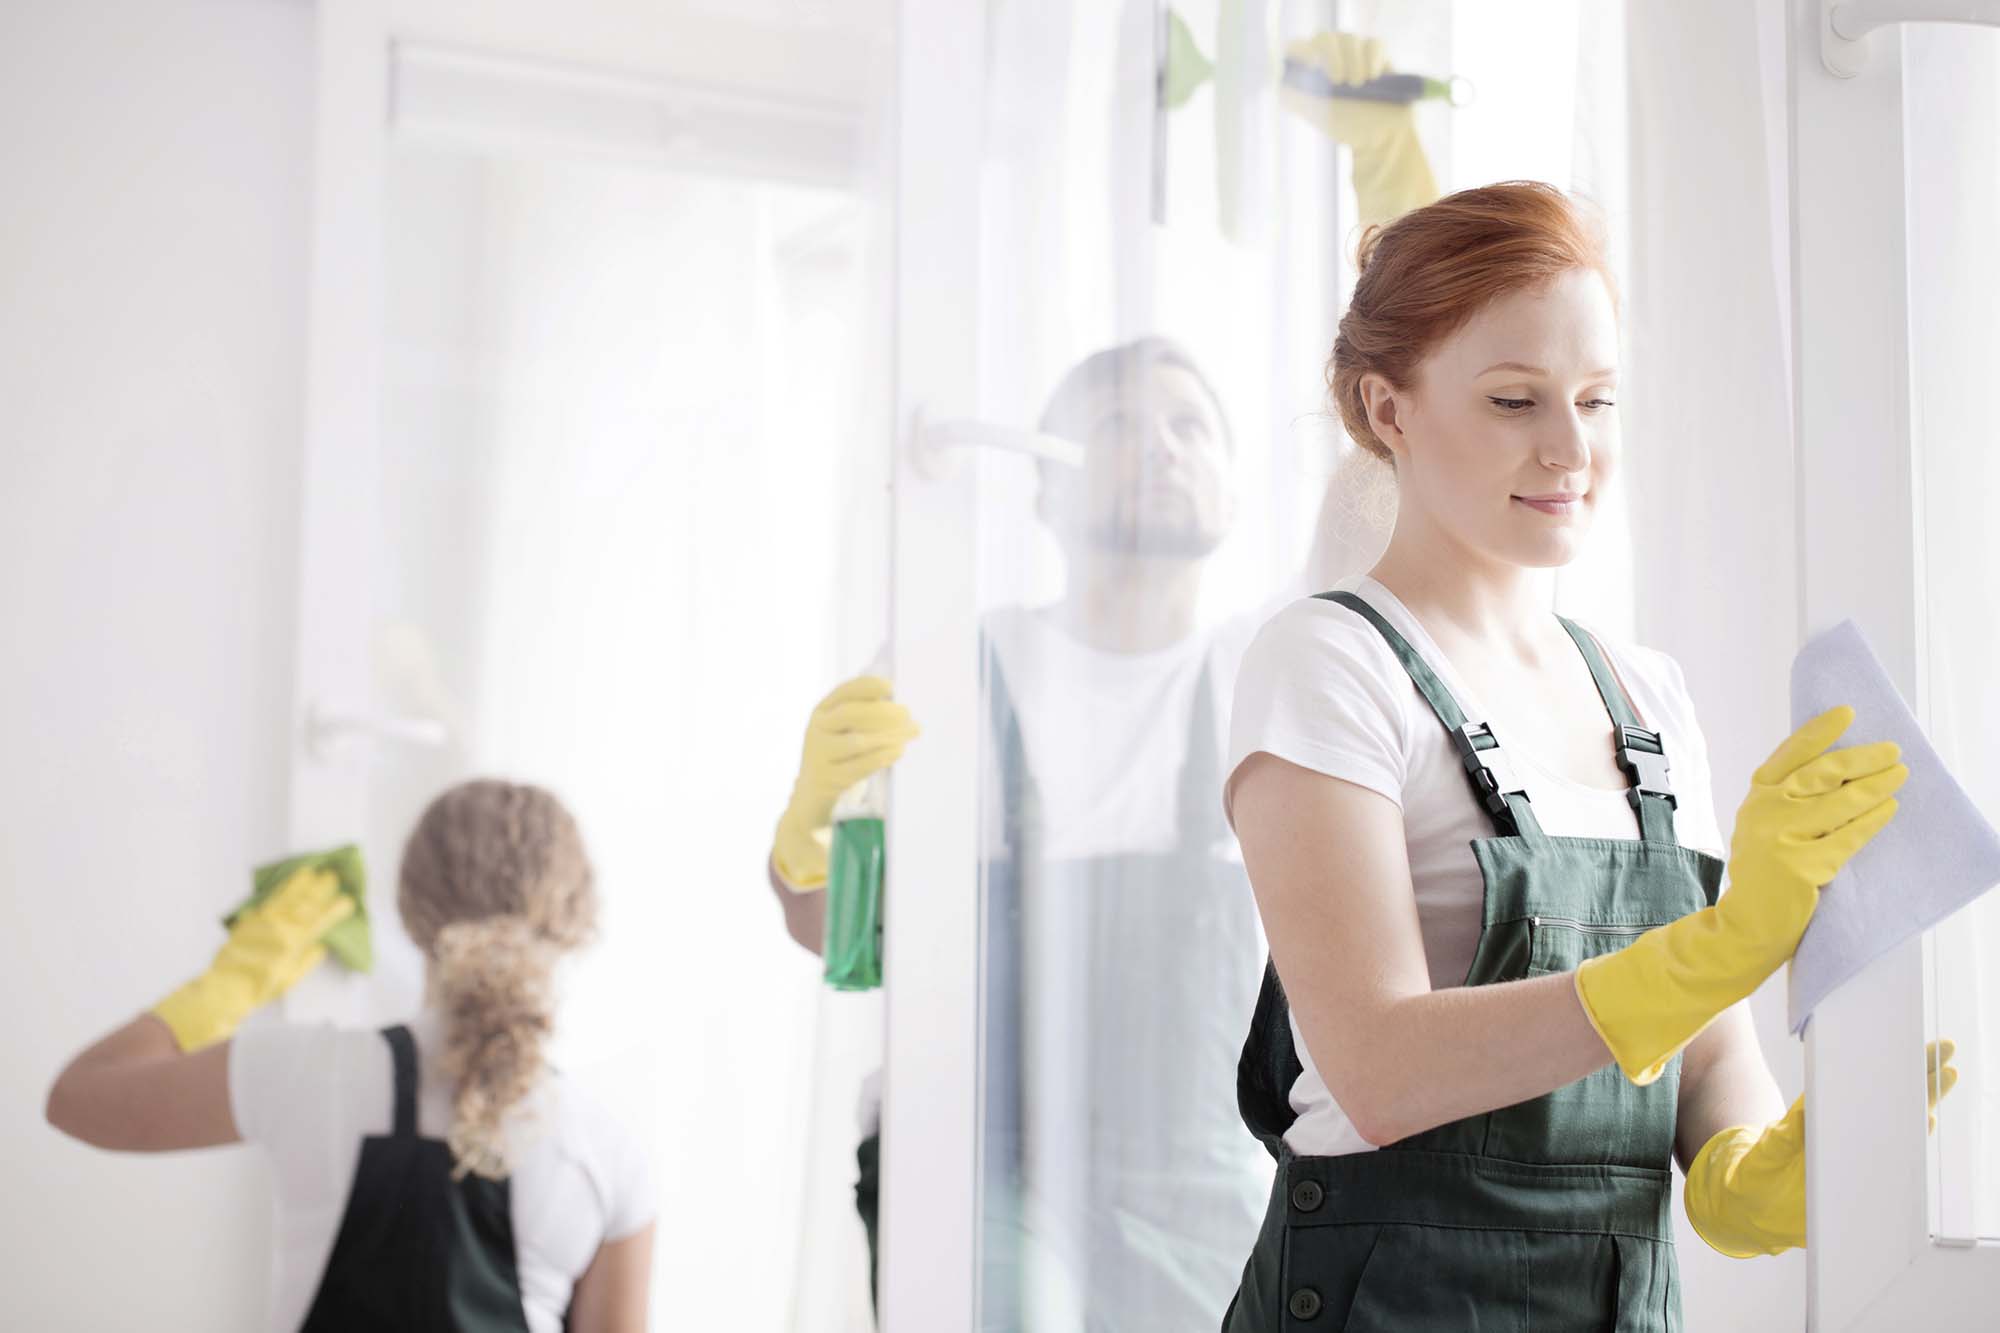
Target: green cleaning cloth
[349, 941]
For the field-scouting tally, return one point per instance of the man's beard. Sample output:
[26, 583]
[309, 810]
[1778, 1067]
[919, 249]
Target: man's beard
[1182, 537]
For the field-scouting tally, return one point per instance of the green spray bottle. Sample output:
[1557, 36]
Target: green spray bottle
[852, 947]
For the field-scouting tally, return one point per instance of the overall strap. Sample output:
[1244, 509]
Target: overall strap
[1269, 1067]
[403, 1055]
[1020, 799]
[1494, 784]
[1641, 753]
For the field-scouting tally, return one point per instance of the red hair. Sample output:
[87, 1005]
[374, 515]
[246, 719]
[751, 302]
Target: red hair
[1432, 269]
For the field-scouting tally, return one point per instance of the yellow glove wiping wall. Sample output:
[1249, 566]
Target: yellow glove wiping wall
[270, 947]
[1809, 810]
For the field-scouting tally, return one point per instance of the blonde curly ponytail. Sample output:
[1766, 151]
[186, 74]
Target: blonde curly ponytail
[495, 887]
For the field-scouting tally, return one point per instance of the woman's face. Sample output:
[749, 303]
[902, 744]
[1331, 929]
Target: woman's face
[1515, 407]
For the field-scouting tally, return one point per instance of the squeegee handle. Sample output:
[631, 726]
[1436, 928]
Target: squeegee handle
[1382, 88]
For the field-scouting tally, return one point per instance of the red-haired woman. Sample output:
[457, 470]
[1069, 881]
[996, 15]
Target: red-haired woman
[1483, 844]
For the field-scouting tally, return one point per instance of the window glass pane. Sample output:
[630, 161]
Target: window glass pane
[1160, 290]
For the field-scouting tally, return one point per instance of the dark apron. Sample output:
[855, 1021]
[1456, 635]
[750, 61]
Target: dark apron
[419, 1252]
[1550, 1214]
[1113, 1164]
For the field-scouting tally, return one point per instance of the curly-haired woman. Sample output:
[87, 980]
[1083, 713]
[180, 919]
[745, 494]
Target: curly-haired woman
[434, 1175]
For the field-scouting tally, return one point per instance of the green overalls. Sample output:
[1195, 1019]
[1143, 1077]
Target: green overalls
[1552, 1214]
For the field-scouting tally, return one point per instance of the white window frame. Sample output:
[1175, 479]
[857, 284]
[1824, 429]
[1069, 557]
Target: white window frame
[1872, 1261]
[930, 1119]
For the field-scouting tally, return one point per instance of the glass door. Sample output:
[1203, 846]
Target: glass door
[1121, 262]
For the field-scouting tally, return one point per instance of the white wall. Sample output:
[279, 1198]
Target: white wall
[153, 160]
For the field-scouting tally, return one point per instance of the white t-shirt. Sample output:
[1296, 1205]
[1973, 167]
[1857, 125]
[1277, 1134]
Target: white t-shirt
[1105, 734]
[1319, 686]
[308, 1094]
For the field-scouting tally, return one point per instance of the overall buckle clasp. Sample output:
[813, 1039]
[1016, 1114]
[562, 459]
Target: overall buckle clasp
[1492, 773]
[1644, 760]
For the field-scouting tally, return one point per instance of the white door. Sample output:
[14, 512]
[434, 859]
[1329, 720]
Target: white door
[1896, 151]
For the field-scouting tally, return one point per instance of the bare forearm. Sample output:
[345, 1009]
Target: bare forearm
[135, 1091]
[805, 913]
[1428, 1059]
[1724, 1083]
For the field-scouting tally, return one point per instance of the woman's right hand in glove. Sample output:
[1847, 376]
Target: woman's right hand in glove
[1810, 809]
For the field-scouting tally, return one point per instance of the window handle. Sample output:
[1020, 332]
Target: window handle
[1844, 25]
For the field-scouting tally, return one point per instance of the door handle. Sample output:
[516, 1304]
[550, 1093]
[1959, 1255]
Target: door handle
[328, 733]
[937, 448]
[1844, 25]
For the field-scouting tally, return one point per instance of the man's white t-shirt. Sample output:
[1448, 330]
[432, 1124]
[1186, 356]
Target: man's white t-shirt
[1320, 687]
[1105, 734]
[309, 1094]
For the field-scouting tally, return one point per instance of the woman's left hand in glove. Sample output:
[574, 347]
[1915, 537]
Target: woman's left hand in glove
[1746, 1189]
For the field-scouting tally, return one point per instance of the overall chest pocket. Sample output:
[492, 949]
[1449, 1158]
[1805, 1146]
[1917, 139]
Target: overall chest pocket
[1561, 944]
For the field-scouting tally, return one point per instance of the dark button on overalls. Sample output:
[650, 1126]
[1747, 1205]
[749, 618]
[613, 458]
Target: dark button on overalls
[1553, 1214]
[419, 1252]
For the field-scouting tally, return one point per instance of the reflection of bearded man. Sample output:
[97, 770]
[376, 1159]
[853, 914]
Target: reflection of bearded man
[1122, 946]
[1155, 482]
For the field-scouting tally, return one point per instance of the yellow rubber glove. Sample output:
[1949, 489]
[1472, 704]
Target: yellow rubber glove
[856, 731]
[1808, 811]
[1391, 173]
[268, 950]
[1746, 1188]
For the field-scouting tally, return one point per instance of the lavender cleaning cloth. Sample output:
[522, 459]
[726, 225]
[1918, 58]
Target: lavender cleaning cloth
[1938, 853]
